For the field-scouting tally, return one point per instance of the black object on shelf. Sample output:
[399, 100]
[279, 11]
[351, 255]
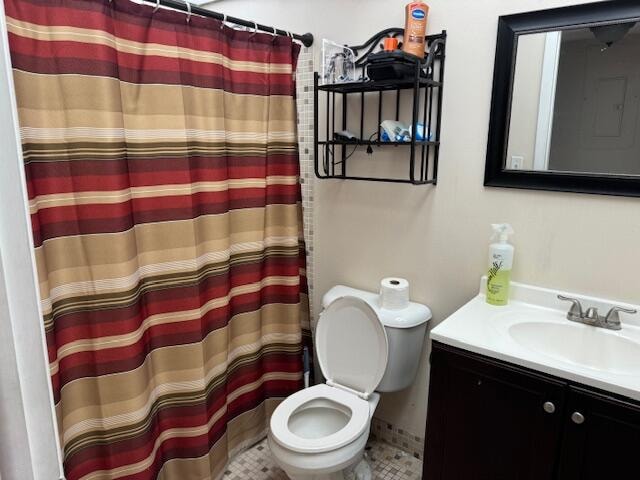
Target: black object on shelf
[423, 79]
[395, 65]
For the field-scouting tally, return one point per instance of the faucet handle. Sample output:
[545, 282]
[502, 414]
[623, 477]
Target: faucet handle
[575, 312]
[612, 320]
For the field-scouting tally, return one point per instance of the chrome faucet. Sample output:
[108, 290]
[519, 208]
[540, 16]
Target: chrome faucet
[591, 317]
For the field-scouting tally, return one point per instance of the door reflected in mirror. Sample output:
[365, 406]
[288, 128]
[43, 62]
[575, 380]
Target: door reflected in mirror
[575, 101]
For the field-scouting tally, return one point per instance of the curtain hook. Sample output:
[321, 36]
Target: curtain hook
[224, 20]
[188, 10]
[157, 7]
[255, 30]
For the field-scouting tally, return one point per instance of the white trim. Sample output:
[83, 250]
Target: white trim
[548, 81]
[23, 329]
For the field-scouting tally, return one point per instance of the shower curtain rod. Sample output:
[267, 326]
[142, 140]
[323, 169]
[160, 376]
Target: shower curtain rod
[306, 39]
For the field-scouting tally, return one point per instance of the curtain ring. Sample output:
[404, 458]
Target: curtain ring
[188, 10]
[255, 30]
[223, 21]
[157, 7]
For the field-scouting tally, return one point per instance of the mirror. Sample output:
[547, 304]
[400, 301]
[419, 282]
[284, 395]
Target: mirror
[566, 100]
[575, 99]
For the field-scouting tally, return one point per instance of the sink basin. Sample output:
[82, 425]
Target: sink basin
[582, 345]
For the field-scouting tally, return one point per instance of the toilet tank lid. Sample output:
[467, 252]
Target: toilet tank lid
[415, 313]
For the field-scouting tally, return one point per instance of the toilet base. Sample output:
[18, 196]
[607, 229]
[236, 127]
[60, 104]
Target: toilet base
[335, 465]
[359, 471]
[328, 476]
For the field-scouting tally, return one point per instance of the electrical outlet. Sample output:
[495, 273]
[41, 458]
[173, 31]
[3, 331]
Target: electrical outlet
[516, 162]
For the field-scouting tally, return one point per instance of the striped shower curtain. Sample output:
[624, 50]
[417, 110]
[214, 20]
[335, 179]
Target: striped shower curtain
[162, 174]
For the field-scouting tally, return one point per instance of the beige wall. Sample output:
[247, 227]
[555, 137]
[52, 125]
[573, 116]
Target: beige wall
[437, 237]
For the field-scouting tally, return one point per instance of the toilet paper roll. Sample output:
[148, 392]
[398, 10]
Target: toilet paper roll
[394, 293]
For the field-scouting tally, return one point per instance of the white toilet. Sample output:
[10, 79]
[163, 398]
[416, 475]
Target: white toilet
[320, 433]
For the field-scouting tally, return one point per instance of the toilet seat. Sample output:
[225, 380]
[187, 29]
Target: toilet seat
[354, 427]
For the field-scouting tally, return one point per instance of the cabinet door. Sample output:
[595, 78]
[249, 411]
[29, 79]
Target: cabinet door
[601, 438]
[487, 420]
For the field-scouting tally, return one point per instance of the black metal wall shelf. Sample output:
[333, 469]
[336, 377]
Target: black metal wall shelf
[378, 86]
[377, 143]
[331, 156]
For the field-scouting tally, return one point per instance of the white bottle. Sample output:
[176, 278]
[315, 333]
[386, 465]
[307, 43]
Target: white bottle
[500, 263]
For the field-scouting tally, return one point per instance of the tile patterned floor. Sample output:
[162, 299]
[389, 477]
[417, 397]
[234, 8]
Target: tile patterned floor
[387, 463]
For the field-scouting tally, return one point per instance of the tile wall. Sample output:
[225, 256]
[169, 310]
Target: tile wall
[406, 441]
[304, 97]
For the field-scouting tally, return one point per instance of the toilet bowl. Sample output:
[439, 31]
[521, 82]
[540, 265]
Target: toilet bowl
[320, 433]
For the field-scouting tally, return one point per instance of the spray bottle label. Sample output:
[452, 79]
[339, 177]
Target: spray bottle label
[498, 283]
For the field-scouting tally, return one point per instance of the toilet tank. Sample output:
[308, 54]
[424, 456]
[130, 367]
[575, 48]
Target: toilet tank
[405, 331]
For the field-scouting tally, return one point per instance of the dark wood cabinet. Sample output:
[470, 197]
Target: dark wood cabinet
[605, 441]
[490, 420]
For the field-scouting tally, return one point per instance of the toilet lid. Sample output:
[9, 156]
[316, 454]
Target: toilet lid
[352, 344]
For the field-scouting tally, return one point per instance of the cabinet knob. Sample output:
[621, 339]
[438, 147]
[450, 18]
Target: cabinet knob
[577, 418]
[549, 407]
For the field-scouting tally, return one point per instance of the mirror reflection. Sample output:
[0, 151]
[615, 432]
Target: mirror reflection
[575, 101]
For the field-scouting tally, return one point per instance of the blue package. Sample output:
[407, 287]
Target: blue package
[420, 132]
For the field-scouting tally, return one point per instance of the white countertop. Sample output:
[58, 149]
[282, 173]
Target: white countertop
[486, 329]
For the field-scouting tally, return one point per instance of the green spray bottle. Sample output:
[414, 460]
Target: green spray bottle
[500, 263]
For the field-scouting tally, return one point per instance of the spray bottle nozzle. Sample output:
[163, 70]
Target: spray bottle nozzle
[501, 232]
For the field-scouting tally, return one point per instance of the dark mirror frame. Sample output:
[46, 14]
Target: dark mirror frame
[509, 27]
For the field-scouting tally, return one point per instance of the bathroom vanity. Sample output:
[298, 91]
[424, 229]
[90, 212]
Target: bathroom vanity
[506, 404]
